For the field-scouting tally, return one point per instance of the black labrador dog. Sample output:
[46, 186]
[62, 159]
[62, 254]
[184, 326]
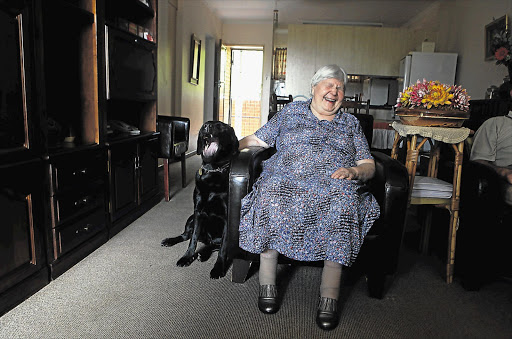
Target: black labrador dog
[217, 144]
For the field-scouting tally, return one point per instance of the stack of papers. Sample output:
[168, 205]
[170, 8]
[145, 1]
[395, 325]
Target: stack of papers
[426, 187]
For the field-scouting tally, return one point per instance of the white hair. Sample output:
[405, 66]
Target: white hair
[329, 72]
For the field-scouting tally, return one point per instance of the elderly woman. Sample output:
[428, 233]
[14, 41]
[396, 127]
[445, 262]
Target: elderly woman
[308, 204]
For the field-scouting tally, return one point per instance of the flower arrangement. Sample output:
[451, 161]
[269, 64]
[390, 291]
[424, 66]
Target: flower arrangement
[433, 94]
[501, 45]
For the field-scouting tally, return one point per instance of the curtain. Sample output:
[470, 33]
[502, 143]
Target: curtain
[280, 63]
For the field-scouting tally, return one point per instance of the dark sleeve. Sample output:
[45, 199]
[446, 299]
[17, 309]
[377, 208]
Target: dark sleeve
[360, 143]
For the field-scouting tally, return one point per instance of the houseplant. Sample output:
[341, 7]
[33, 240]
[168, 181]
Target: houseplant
[501, 44]
[433, 104]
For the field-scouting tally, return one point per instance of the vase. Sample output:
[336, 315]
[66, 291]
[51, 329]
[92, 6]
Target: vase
[432, 117]
[505, 89]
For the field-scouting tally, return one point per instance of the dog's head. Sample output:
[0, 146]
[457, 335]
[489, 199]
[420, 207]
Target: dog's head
[217, 142]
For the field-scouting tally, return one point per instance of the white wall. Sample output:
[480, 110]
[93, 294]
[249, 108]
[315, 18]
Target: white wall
[358, 50]
[460, 24]
[166, 39]
[258, 35]
[470, 16]
[193, 18]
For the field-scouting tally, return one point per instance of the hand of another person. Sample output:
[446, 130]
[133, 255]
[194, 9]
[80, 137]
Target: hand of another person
[508, 175]
[345, 173]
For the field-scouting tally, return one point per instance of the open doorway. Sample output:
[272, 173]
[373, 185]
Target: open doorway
[240, 87]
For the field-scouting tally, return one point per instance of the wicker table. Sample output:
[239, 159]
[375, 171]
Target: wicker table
[453, 136]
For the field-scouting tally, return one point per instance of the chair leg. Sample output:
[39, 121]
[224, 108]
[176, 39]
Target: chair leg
[376, 282]
[166, 179]
[240, 270]
[183, 171]
[450, 265]
[425, 232]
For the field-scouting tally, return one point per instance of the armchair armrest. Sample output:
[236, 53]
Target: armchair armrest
[482, 188]
[390, 186]
[245, 169]
[481, 178]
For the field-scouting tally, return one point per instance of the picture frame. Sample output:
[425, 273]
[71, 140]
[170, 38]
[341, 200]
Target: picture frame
[491, 29]
[195, 59]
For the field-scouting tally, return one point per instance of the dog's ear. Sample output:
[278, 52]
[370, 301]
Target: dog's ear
[200, 144]
[234, 142]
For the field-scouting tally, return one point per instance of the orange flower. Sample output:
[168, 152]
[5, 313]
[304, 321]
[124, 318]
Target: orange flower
[438, 94]
[501, 53]
[428, 94]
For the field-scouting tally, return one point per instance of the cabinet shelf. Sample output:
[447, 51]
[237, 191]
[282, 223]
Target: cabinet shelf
[131, 10]
[70, 148]
[73, 14]
[120, 138]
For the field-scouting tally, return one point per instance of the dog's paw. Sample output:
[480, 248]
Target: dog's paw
[168, 242]
[186, 261]
[204, 255]
[217, 272]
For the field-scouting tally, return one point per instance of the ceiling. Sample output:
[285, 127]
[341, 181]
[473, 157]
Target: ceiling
[359, 12]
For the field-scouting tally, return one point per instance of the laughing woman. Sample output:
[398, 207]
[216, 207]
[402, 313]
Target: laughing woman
[308, 204]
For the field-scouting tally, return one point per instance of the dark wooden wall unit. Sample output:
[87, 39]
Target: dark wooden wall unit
[68, 183]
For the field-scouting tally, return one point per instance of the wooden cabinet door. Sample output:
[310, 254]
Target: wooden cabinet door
[21, 228]
[123, 179]
[148, 168]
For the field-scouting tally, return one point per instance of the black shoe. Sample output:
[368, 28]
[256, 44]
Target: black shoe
[327, 314]
[267, 300]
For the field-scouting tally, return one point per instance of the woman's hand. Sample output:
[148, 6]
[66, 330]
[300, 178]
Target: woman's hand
[251, 140]
[504, 172]
[364, 170]
[345, 173]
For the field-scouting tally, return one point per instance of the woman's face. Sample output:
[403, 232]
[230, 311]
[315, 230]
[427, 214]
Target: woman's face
[327, 97]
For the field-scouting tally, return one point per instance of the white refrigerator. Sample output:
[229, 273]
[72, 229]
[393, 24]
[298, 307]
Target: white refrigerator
[430, 66]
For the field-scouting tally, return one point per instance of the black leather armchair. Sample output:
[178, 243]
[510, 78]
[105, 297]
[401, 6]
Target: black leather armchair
[380, 252]
[483, 239]
[482, 251]
[174, 139]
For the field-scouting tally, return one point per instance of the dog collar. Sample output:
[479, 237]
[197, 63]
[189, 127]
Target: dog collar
[218, 169]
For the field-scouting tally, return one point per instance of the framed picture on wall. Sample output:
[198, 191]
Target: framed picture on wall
[195, 59]
[496, 27]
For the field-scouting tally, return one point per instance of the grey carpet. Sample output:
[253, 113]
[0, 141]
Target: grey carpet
[132, 288]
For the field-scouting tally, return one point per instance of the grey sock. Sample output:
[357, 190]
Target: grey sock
[331, 278]
[268, 267]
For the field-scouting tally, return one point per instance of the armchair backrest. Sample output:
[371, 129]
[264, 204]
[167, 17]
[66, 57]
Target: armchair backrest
[174, 135]
[356, 106]
[277, 103]
[366, 121]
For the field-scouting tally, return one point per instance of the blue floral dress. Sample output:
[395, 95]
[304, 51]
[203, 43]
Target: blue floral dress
[295, 206]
